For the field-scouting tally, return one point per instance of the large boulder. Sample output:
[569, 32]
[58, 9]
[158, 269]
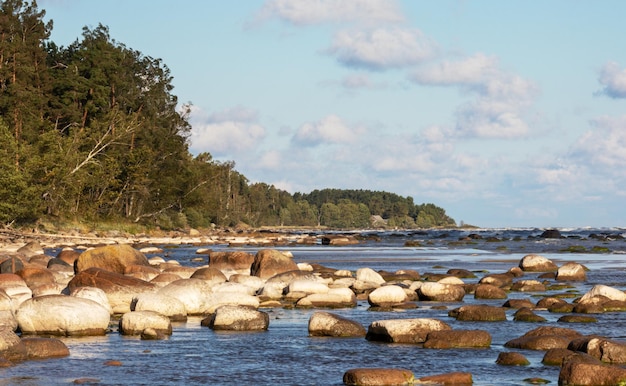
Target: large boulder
[275, 285]
[93, 293]
[209, 274]
[237, 318]
[120, 289]
[136, 322]
[606, 350]
[230, 263]
[378, 377]
[368, 275]
[44, 348]
[15, 287]
[218, 299]
[165, 305]
[334, 298]
[41, 281]
[602, 290]
[528, 286]
[114, 258]
[439, 292]
[571, 272]
[404, 330]
[11, 264]
[544, 338]
[270, 262]
[62, 315]
[190, 292]
[537, 263]
[253, 282]
[575, 372]
[458, 339]
[478, 313]
[489, 291]
[388, 295]
[328, 324]
[11, 346]
[454, 378]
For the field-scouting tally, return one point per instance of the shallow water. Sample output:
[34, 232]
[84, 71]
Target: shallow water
[286, 355]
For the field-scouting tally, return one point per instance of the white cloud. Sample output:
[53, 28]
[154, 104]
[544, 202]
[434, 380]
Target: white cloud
[613, 78]
[381, 48]
[329, 130]
[312, 12]
[225, 132]
[603, 147]
[500, 100]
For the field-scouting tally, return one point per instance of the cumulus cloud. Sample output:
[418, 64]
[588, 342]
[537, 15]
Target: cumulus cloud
[500, 97]
[329, 130]
[381, 48]
[603, 146]
[313, 12]
[613, 78]
[225, 132]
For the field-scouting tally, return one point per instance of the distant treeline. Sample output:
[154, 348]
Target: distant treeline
[93, 132]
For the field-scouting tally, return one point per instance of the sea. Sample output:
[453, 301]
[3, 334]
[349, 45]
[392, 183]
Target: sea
[285, 354]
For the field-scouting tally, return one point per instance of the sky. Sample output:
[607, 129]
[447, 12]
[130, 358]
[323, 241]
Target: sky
[504, 113]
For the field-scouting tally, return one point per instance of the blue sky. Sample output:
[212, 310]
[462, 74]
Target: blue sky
[505, 113]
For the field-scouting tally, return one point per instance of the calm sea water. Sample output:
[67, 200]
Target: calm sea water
[286, 355]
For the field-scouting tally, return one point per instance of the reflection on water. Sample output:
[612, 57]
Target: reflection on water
[285, 354]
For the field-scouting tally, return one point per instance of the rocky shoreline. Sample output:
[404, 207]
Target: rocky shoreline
[96, 282]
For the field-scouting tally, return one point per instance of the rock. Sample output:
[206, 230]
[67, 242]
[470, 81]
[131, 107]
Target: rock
[192, 293]
[438, 292]
[253, 282]
[458, 339]
[518, 303]
[152, 334]
[547, 302]
[308, 286]
[234, 288]
[590, 306]
[209, 274]
[164, 279]
[577, 319]
[270, 262]
[44, 348]
[275, 285]
[556, 356]
[11, 347]
[120, 289]
[334, 298]
[15, 287]
[8, 321]
[528, 286]
[544, 338]
[571, 272]
[237, 318]
[31, 249]
[526, 315]
[369, 275]
[231, 263]
[328, 324]
[378, 377]
[404, 330]
[218, 299]
[338, 240]
[136, 322]
[143, 272]
[62, 315]
[184, 272]
[68, 256]
[36, 278]
[461, 273]
[387, 296]
[165, 305]
[512, 359]
[489, 291]
[582, 373]
[11, 265]
[456, 378]
[551, 234]
[606, 350]
[537, 263]
[114, 258]
[95, 294]
[603, 290]
[501, 280]
[478, 312]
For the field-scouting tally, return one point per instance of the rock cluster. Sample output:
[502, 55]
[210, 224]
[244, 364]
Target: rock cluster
[77, 294]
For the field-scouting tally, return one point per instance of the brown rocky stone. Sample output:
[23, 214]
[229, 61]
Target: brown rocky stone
[378, 377]
[458, 339]
[270, 262]
[114, 258]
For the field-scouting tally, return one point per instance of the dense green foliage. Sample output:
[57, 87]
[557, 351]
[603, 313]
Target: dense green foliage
[93, 131]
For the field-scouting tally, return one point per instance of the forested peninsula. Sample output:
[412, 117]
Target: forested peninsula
[93, 133]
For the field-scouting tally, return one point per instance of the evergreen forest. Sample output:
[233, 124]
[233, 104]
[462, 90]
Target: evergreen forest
[93, 132]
